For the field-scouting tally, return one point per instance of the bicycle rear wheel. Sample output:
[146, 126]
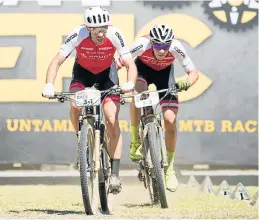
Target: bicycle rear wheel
[88, 177]
[156, 158]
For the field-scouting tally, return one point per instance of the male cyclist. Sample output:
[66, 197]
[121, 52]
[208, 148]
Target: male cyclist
[95, 44]
[155, 55]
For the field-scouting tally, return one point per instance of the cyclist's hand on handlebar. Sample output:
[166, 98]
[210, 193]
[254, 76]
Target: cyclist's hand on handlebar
[48, 90]
[128, 87]
[183, 84]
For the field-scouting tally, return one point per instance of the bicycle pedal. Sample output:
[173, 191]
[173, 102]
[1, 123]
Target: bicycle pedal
[114, 191]
[141, 175]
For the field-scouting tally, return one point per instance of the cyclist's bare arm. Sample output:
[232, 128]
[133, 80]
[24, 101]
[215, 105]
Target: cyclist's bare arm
[193, 76]
[179, 52]
[131, 69]
[66, 49]
[54, 67]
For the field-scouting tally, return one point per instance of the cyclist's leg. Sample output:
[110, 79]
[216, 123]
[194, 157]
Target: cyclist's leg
[74, 110]
[170, 109]
[170, 115]
[141, 85]
[135, 154]
[111, 108]
[77, 84]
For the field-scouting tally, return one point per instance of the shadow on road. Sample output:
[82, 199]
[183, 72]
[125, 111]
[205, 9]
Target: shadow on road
[57, 212]
[137, 205]
[13, 211]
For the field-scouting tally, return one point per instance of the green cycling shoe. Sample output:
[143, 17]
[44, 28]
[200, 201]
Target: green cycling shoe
[136, 152]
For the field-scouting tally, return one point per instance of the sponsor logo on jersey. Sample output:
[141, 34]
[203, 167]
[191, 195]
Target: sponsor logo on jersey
[86, 48]
[180, 52]
[136, 48]
[70, 38]
[120, 38]
[96, 56]
[105, 48]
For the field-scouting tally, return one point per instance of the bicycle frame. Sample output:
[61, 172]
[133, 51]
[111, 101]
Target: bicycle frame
[90, 115]
[148, 115]
[93, 154]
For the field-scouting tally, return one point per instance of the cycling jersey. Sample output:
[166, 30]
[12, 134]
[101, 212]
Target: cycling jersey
[143, 49]
[162, 79]
[95, 58]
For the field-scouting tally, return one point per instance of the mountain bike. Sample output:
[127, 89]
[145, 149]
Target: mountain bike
[93, 155]
[154, 159]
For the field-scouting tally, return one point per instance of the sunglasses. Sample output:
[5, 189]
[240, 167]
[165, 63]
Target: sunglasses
[99, 29]
[158, 46]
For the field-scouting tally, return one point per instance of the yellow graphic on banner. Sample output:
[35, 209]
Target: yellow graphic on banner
[233, 15]
[249, 126]
[11, 56]
[49, 29]
[206, 126]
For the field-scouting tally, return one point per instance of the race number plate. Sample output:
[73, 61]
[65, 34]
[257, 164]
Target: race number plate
[88, 97]
[148, 99]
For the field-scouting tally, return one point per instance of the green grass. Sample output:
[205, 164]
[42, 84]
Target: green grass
[65, 202]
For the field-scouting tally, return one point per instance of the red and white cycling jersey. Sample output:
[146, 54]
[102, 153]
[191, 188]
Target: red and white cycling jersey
[95, 58]
[143, 49]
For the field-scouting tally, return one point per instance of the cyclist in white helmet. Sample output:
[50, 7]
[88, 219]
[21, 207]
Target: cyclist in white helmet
[95, 43]
[155, 55]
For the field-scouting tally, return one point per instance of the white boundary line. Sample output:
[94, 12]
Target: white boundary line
[126, 173]
[220, 173]
[104, 3]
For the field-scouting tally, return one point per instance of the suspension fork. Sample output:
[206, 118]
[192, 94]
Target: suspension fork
[162, 142]
[147, 117]
[97, 138]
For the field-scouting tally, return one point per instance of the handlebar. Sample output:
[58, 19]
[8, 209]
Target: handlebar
[62, 95]
[174, 88]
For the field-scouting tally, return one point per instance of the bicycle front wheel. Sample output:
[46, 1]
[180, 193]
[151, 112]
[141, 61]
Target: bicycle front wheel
[156, 159]
[104, 173]
[88, 178]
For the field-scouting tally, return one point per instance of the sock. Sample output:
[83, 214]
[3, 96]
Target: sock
[115, 166]
[170, 160]
[134, 133]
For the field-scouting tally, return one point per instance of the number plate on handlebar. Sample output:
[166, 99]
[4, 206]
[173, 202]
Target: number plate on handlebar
[146, 99]
[88, 97]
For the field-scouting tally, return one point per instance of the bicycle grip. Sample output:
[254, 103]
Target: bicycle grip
[54, 97]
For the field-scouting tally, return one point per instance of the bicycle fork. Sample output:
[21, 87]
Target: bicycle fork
[96, 155]
[162, 143]
[146, 161]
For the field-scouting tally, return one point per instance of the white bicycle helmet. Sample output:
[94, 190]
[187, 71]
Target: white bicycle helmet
[162, 34]
[96, 17]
